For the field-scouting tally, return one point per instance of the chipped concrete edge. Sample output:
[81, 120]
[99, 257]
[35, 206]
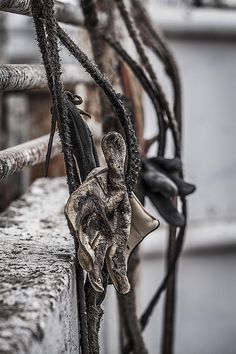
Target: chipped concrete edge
[37, 276]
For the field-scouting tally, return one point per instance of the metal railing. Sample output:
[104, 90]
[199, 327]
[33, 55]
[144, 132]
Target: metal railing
[27, 77]
[33, 152]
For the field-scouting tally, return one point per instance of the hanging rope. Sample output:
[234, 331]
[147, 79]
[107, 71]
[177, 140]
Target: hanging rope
[45, 25]
[141, 77]
[154, 39]
[47, 41]
[98, 50]
[174, 124]
[133, 163]
[126, 303]
[179, 242]
[94, 300]
[47, 31]
[134, 34]
[145, 317]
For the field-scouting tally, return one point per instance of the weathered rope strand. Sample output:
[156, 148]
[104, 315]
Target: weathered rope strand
[116, 101]
[175, 124]
[49, 50]
[139, 74]
[134, 34]
[128, 21]
[94, 299]
[145, 317]
[154, 39]
[59, 95]
[127, 304]
[128, 310]
[41, 37]
[179, 243]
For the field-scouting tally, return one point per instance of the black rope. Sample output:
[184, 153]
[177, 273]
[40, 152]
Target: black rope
[46, 31]
[94, 299]
[47, 40]
[141, 77]
[115, 99]
[134, 34]
[127, 303]
[174, 124]
[154, 39]
[179, 243]
[42, 42]
[145, 317]
[133, 165]
[108, 118]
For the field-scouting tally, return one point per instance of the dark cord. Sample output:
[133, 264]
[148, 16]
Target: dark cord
[117, 103]
[46, 31]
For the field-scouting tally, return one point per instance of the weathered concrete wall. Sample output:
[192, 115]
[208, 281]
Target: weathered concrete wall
[37, 280]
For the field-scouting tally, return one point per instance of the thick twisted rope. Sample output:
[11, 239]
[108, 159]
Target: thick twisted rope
[134, 34]
[141, 76]
[154, 39]
[174, 124]
[94, 300]
[133, 163]
[145, 317]
[47, 40]
[45, 25]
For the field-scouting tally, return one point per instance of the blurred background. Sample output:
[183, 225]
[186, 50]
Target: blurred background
[202, 36]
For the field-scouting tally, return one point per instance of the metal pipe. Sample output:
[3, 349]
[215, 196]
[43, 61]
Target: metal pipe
[65, 13]
[33, 152]
[23, 77]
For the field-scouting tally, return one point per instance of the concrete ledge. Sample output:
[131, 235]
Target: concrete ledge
[37, 277]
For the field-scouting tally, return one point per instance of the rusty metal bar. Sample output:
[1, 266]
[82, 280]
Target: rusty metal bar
[23, 77]
[31, 153]
[65, 13]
